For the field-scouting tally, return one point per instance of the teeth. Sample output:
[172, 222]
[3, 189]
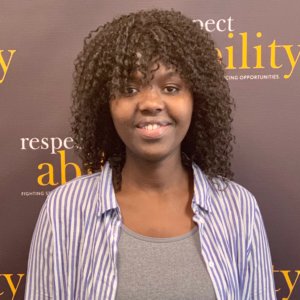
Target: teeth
[151, 126]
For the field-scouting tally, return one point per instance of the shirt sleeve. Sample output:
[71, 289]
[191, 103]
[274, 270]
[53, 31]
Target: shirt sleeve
[39, 282]
[259, 278]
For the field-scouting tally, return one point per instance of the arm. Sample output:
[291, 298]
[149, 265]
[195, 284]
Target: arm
[259, 283]
[39, 282]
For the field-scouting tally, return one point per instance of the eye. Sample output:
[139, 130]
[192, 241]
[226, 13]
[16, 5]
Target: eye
[130, 91]
[171, 89]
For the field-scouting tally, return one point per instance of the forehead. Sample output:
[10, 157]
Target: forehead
[156, 70]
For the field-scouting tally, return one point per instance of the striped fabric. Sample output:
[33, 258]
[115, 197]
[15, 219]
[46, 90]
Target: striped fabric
[73, 253]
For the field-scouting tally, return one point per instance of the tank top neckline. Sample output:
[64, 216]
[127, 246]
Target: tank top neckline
[139, 236]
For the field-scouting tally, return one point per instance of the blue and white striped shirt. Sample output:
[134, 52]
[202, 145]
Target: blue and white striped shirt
[74, 248]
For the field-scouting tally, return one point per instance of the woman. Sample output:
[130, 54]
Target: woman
[157, 217]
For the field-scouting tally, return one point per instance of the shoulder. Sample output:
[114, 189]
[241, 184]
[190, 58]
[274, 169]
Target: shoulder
[77, 194]
[234, 203]
[223, 194]
[231, 192]
[235, 210]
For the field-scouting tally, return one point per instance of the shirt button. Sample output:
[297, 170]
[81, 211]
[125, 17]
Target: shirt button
[211, 264]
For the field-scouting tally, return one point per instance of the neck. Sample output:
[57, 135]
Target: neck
[157, 176]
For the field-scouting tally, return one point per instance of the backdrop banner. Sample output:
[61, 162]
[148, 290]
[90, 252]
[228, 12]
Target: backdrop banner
[260, 46]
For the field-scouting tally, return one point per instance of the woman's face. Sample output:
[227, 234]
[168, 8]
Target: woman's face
[153, 119]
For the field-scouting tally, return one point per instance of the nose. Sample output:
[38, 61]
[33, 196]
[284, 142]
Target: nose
[151, 100]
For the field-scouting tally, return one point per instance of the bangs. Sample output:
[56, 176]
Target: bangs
[144, 50]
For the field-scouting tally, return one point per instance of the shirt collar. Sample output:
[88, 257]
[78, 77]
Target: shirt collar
[106, 192]
[108, 201]
[202, 189]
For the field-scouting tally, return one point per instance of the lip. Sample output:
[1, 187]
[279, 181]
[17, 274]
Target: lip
[152, 134]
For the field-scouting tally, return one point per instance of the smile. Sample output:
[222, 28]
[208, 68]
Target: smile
[152, 130]
[151, 126]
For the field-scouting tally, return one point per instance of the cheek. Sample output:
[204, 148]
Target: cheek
[116, 112]
[190, 108]
[121, 109]
[120, 117]
[185, 111]
[119, 123]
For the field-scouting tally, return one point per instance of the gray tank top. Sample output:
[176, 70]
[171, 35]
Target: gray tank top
[162, 268]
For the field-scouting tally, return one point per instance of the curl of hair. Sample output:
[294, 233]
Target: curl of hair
[109, 57]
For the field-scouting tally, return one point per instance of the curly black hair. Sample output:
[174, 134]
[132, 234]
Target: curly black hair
[104, 66]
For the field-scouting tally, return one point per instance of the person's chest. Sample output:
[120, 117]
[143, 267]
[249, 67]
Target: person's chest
[156, 217]
[96, 272]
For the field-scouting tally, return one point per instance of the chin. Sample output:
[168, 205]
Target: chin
[155, 156]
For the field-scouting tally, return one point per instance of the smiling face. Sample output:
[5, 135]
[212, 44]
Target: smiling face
[153, 119]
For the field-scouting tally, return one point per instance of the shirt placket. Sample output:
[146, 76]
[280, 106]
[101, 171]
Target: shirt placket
[200, 220]
[117, 222]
